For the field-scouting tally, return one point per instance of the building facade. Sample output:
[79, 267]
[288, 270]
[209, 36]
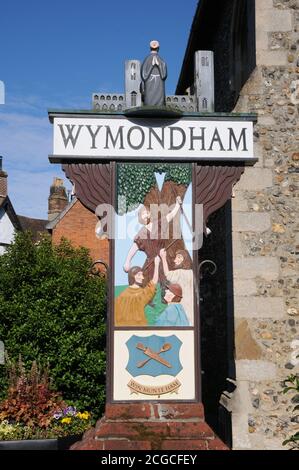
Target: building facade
[10, 222]
[78, 224]
[249, 315]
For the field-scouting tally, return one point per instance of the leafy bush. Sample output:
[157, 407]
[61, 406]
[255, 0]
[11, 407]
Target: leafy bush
[31, 401]
[53, 311]
[17, 431]
[33, 410]
[11, 432]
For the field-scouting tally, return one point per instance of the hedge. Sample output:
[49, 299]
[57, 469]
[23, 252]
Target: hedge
[53, 311]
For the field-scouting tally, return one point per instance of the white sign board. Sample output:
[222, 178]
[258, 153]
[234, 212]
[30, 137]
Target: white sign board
[121, 138]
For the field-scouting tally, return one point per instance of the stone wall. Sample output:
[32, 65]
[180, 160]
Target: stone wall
[266, 238]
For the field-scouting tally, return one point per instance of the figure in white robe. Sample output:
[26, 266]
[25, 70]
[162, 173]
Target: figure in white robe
[182, 275]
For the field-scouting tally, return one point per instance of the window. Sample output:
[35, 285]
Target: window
[133, 71]
[133, 98]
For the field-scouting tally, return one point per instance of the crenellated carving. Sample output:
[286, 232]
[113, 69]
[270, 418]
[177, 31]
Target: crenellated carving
[92, 182]
[213, 186]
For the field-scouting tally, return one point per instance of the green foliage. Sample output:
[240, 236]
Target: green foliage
[53, 311]
[292, 383]
[17, 431]
[11, 432]
[135, 181]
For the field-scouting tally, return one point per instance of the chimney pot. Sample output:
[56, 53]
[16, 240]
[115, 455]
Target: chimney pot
[58, 198]
[3, 180]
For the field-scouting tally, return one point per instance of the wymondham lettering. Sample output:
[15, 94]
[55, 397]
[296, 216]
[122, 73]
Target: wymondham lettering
[171, 138]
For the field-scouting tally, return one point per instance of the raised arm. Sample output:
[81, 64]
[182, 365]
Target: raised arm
[156, 271]
[132, 252]
[173, 213]
[163, 256]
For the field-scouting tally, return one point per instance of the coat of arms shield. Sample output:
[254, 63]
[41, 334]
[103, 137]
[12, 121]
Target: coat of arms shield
[154, 355]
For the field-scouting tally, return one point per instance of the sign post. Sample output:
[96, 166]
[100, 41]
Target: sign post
[150, 174]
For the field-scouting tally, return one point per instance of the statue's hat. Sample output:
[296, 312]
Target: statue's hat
[154, 44]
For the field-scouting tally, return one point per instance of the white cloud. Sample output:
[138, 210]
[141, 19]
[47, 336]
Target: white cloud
[25, 143]
[32, 104]
[29, 191]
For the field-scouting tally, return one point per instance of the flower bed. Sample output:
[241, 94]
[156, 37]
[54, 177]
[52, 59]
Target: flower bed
[34, 412]
[70, 421]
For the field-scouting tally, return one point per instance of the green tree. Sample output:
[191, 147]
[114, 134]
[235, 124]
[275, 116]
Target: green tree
[53, 311]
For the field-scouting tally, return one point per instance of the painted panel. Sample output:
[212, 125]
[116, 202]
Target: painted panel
[151, 365]
[153, 269]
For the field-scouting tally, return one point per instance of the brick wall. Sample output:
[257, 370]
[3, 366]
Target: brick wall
[3, 184]
[265, 237]
[78, 225]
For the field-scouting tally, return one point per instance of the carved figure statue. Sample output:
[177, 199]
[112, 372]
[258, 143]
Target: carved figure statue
[153, 76]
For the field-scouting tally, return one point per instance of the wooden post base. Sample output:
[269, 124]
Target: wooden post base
[146, 426]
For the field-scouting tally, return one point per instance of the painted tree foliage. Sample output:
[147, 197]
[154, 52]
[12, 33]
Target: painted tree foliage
[137, 184]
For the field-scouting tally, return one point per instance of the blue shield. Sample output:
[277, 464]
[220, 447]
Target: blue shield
[166, 352]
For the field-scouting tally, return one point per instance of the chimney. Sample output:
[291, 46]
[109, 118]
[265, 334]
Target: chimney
[57, 200]
[3, 181]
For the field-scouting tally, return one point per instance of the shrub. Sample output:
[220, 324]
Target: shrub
[11, 432]
[31, 401]
[33, 410]
[53, 311]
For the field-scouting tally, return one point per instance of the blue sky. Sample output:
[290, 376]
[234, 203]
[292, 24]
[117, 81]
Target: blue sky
[55, 54]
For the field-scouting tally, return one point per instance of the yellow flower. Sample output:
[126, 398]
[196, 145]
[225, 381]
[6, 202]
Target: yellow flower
[84, 415]
[66, 420]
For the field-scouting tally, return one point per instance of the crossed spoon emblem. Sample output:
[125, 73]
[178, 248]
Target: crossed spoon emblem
[154, 355]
